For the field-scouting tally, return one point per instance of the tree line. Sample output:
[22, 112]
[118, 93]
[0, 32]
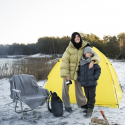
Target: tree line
[111, 46]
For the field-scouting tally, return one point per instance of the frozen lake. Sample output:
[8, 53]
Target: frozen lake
[9, 60]
[9, 65]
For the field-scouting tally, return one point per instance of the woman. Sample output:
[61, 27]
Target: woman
[69, 68]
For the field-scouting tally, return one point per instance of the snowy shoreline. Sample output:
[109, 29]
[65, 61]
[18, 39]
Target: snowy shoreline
[38, 55]
[41, 116]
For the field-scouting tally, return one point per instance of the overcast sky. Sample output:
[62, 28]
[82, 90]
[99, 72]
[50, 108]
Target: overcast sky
[24, 21]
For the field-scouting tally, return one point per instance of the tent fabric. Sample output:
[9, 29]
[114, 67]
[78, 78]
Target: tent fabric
[108, 91]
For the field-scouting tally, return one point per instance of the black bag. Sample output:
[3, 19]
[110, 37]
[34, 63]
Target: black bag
[56, 104]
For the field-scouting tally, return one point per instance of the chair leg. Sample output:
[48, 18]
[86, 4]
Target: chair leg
[16, 106]
[21, 108]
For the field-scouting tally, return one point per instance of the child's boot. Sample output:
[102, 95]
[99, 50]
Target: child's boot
[85, 111]
[89, 113]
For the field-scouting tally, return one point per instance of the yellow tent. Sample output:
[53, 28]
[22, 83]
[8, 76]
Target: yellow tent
[108, 92]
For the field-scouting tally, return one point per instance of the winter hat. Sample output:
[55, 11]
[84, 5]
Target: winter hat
[76, 45]
[88, 50]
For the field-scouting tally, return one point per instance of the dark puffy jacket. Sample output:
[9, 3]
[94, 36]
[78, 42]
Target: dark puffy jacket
[89, 77]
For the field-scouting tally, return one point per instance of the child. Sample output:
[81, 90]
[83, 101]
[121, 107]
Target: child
[88, 78]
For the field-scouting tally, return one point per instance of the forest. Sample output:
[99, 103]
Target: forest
[112, 46]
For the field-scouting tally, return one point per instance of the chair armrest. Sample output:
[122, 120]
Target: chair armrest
[16, 90]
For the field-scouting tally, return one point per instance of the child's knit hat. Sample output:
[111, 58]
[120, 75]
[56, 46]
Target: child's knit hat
[88, 49]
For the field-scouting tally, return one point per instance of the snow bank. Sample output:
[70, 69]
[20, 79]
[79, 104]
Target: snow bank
[39, 55]
[54, 60]
[16, 56]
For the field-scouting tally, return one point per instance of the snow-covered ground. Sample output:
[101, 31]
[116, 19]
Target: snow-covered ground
[41, 116]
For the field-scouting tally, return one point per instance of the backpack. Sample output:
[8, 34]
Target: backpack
[56, 104]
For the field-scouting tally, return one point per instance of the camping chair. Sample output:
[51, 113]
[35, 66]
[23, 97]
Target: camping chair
[18, 98]
[24, 88]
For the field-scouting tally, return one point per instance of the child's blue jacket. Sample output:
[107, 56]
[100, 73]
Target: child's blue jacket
[89, 77]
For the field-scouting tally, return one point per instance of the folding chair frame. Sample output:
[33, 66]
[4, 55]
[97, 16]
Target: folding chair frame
[19, 98]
